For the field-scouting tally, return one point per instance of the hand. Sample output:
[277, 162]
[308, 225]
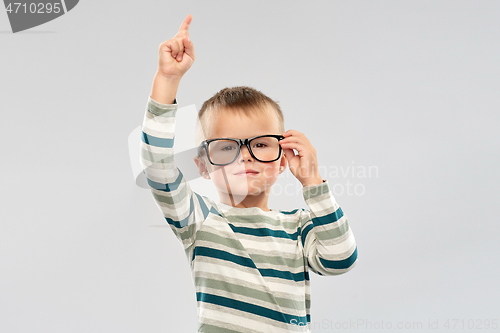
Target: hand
[303, 166]
[176, 55]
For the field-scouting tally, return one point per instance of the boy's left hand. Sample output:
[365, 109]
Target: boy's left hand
[304, 165]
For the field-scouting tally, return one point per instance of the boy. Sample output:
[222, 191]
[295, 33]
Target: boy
[249, 263]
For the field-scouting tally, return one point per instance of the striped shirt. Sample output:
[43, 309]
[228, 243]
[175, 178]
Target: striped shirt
[250, 267]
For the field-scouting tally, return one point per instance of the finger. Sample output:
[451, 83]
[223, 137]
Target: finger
[292, 160]
[186, 23]
[180, 49]
[291, 139]
[298, 138]
[294, 137]
[291, 132]
[188, 47]
[301, 149]
[166, 47]
[173, 46]
[289, 154]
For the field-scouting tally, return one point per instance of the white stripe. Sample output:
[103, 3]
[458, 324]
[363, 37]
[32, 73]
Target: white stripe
[163, 176]
[337, 240]
[245, 319]
[257, 288]
[164, 129]
[319, 206]
[336, 254]
[247, 299]
[279, 286]
[286, 249]
[243, 273]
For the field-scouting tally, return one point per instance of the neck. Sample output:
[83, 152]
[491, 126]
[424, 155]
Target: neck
[259, 201]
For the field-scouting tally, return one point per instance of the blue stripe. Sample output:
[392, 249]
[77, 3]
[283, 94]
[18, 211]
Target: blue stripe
[223, 255]
[247, 262]
[215, 211]
[251, 308]
[156, 141]
[287, 275]
[178, 224]
[166, 187]
[290, 212]
[305, 232]
[340, 264]
[203, 207]
[264, 232]
[329, 218]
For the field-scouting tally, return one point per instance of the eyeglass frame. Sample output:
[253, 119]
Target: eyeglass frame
[241, 142]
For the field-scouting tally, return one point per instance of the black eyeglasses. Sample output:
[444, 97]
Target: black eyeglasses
[224, 151]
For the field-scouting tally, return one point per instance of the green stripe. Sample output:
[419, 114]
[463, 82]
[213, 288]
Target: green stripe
[171, 199]
[204, 235]
[159, 158]
[247, 291]
[332, 233]
[252, 219]
[315, 191]
[187, 231]
[206, 328]
[157, 111]
[278, 260]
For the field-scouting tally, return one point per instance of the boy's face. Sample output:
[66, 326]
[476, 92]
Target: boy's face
[245, 176]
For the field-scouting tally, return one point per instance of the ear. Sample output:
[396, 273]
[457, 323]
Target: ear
[202, 168]
[283, 163]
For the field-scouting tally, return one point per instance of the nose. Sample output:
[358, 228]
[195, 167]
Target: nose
[245, 154]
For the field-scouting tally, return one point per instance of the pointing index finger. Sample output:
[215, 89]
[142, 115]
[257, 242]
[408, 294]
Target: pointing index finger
[186, 23]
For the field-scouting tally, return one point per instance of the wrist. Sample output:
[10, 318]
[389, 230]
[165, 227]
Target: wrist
[312, 182]
[170, 79]
[164, 88]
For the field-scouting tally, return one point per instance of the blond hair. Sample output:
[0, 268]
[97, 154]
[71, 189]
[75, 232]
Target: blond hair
[243, 100]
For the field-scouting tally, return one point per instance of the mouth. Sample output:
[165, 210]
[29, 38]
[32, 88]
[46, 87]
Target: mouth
[248, 172]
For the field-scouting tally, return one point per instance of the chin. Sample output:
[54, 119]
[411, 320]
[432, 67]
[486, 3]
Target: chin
[244, 186]
[241, 189]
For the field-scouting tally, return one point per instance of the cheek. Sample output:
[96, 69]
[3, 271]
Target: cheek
[230, 184]
[271, 170]
[220, 181]
[217, 175]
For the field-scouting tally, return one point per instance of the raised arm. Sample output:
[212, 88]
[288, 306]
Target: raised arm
[183, 209]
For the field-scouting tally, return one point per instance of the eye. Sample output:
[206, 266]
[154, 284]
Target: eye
[227, 148]
[260, 145]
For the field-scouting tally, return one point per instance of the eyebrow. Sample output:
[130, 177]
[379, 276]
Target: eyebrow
[252, 137]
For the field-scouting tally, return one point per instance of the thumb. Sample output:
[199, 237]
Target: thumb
[293, 162]
[188, 47]
[289, 154]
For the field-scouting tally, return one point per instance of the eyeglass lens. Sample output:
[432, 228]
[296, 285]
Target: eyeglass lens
[265, 149]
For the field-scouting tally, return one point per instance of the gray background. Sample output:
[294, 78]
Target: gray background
[410, 87]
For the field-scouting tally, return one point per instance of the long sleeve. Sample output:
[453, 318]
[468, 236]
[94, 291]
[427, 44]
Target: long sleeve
[183, 209]
[327, 240]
